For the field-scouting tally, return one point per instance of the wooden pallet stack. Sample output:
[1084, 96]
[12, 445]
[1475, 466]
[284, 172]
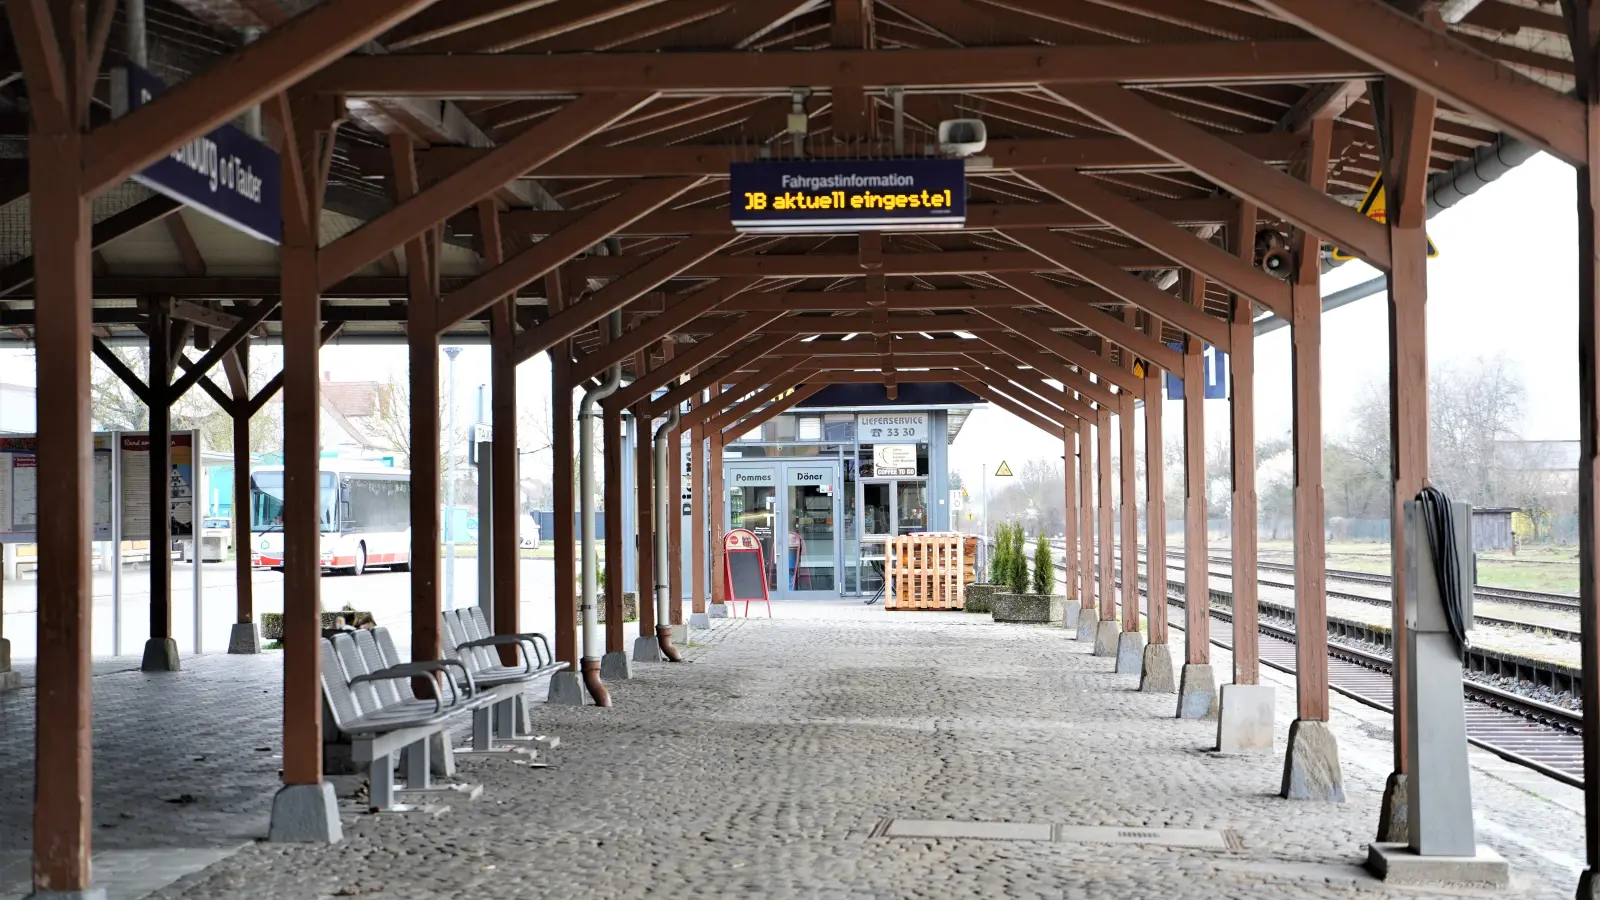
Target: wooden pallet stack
[927, 571]
[969, 562]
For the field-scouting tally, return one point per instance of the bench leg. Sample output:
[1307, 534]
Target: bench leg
[417, 766]
[380, 773]
[482, 740]
[505, 718]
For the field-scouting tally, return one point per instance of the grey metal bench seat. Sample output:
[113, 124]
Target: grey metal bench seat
[467, 639]
[366, 704]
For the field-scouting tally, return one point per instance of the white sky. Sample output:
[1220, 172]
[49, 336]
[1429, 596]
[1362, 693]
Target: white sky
[1505, 282]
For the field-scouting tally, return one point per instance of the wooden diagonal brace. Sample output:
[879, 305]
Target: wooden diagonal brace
[224, 346]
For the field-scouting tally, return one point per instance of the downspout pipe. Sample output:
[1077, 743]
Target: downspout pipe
[664, 499]
[588, 411]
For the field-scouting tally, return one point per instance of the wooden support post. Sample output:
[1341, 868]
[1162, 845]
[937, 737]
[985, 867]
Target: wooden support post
[63, 725]
[674, 560]
[505, 484]
[160, 651]
[1196, 571]
[1242, 422]
[1086, 568]
[611, 451]
[1103, 489]
[1130, 505]
[644, 503]
[563, 535]
[305, 808]
[717, 525]
[697, 519]
[243, 572]
[1069, 535]
[1587, 54]
[1155, 503]
[1310, 549]
[422, 341]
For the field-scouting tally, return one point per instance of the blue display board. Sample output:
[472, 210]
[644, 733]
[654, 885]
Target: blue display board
[226, 174]
[848, 195]
[1215, 365]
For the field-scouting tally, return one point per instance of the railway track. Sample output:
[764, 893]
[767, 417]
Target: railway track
[1539, 736]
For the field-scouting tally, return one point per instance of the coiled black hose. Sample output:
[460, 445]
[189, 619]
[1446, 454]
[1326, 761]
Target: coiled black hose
[1439, 520]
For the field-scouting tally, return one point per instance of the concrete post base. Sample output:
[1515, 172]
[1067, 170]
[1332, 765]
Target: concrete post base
[305, 814]
[160, 655]
[614, 666]
[646, 650]
[1105, 638]
[1197, 692]
[1130, 652]
[88, 894]
[1311, 767]
[1088, 622]
[719, 611]
[1071, 615]
[9, 680]
[699, 620]
[1244, 718]
[245, 638]
[680, 634]
[1394, 813]
[566, 689]
[1399, 864]
[1155, 672]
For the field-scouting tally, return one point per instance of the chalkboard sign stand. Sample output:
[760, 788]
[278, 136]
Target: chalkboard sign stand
[744, 571]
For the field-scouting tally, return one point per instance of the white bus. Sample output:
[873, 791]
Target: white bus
[366, 517]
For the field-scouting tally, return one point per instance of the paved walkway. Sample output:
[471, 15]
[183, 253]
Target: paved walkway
[766, 767]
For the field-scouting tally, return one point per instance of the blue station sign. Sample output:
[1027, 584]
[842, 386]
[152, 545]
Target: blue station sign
[798, 196]
[1214, 368]
[226, 174]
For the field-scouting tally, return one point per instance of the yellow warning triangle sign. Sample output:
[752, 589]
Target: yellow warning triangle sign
[1375, 207]
[1003, 470]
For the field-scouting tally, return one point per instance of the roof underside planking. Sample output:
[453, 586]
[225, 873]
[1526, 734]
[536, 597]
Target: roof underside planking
[465, 77]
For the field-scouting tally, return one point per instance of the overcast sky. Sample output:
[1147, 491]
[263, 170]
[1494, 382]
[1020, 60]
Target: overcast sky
[1505, 282]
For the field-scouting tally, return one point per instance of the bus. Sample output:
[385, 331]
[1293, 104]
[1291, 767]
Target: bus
[366, 517]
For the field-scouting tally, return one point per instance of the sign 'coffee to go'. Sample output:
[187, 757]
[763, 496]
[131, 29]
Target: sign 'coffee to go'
[791, 196]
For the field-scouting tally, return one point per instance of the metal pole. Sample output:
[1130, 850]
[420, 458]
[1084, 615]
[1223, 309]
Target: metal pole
[134, 34]
[450, 486]
[116, 543]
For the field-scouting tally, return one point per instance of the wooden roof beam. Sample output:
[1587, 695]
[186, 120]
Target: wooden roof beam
[1441, 64]
[474, 75]
[847, 265]
[1306, 207]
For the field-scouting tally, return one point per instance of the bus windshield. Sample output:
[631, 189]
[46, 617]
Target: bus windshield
[266, 502]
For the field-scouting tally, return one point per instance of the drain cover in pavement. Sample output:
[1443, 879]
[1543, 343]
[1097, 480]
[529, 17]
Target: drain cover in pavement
[1205, 839]
[983, 831]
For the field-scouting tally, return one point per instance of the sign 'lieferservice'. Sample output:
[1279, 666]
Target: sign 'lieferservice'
[225, 173]
[848, 195]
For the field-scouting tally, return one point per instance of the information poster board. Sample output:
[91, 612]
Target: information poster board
[19, 488]
[134, 457]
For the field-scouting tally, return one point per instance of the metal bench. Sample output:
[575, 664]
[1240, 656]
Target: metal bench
[374, 705]
[469, 640]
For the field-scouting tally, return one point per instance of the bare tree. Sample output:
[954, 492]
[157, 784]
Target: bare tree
[114, 407]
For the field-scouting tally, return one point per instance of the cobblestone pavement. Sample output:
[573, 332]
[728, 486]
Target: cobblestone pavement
[764, 766]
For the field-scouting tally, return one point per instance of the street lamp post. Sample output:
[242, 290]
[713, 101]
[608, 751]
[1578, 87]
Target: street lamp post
[450, 486]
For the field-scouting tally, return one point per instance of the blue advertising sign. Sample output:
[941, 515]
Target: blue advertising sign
[1215, 363]
[809, 195]
[226, 174]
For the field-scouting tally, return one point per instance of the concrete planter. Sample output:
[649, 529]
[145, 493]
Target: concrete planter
[272, 623]
[980, 597]
[1036, 608]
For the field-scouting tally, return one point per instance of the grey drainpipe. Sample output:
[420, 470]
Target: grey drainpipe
[587, 413]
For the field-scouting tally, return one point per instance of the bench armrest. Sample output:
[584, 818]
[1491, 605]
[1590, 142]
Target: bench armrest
[503, 640]
[547, 657]
[390, 675]
[430, 666]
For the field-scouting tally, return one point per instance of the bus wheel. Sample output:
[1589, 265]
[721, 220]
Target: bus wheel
[361, 560]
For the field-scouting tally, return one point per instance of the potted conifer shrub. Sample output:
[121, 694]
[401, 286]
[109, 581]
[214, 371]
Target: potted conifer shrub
[980, 595]
[1030, 599]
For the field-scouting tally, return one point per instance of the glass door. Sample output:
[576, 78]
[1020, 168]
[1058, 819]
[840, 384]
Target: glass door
[810, 513]
[877, 526]
[753, 505]
[911, 507]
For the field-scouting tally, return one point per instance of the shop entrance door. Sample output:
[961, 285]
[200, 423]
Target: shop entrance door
[810, 511]
[889, 507]
[753, 505]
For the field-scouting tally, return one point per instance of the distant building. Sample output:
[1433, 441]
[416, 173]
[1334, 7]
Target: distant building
[18, 407]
